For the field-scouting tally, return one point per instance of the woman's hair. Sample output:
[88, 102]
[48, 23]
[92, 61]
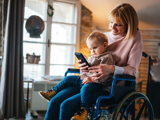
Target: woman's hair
[97, 35]
[126, 14]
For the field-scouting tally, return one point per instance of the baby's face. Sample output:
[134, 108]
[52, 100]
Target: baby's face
[96, 47]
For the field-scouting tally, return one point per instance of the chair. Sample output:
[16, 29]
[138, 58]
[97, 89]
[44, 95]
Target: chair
[153, 89]
[122, 106]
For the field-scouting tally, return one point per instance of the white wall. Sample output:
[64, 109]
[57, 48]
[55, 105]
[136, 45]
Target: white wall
[148, 11]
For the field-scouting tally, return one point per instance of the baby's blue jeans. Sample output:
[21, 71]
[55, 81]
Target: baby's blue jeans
[71, 95]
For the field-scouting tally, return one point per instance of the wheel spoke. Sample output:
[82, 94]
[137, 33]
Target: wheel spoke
[140, 111]
[133, 111]
[125, 117]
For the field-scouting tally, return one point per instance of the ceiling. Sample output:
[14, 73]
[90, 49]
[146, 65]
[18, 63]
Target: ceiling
[148, 11]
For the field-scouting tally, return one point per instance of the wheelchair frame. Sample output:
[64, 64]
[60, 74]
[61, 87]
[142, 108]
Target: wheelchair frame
[126, 104]
[111, 93]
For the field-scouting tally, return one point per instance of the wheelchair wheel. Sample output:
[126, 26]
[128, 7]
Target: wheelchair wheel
[126, 108]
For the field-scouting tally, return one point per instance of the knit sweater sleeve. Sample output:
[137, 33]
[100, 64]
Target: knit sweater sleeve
[134, 56]
[108, 59]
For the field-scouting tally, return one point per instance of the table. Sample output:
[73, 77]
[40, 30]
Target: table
[28, 80]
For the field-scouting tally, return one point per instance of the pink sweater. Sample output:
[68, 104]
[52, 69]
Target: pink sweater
[127, 54]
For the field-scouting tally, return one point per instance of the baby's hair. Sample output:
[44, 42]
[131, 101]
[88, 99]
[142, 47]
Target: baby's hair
[97, 35]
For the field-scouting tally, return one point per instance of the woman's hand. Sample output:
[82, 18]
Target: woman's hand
[101, 70]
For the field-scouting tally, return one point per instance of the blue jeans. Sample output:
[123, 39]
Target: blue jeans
[71, 95]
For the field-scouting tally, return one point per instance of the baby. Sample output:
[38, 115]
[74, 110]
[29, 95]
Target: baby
[97, 43]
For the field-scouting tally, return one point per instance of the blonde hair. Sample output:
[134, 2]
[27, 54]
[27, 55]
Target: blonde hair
[126, 14]
[97, 35]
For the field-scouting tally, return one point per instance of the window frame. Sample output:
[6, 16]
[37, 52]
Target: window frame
[48, 34]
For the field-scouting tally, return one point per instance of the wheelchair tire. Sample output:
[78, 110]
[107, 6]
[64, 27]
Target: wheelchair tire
[128, 102]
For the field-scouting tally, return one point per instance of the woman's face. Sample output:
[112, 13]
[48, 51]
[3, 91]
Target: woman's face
[117, 27]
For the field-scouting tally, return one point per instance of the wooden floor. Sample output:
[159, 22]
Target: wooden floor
[41, 115]
[28, 116]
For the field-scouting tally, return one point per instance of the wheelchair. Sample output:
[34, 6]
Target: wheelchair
[122, 105]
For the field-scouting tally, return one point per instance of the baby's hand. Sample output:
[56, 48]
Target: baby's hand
[85, 57]
[88, 80]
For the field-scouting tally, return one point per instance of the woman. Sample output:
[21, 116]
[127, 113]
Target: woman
[125, 45]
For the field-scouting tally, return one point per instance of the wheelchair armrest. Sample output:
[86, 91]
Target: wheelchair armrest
[118, 77]
[126, 76]
[71, 70]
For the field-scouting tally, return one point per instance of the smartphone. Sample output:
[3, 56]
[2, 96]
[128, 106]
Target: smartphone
[82, 58]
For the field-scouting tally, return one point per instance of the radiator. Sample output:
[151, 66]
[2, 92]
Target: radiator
[37, 102]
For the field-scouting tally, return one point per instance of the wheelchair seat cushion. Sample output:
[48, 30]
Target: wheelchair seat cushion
[108, 102]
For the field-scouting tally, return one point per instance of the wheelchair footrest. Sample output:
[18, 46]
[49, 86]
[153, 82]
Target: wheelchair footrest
[126, 76]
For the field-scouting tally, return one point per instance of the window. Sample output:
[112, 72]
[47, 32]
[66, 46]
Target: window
[58, 41]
